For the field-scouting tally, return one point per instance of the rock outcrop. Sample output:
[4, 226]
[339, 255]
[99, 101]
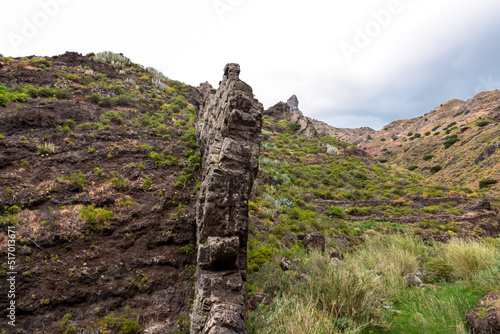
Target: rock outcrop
[283, 111]
[307, 128]
[229, 129]
[484, 318]
[314, 240]
[293, 102]
[488, 152]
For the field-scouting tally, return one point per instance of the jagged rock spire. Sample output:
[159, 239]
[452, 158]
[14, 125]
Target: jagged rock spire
[229, 134]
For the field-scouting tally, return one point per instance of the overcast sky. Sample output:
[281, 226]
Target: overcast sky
[351, 63]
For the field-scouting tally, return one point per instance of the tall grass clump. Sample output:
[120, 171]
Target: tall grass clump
[434, 310]
[468, 258]
[319, 296]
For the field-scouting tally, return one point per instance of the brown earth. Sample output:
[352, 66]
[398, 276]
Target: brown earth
[140, 265]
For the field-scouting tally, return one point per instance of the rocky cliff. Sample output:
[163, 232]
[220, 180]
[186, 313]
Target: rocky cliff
[290, 111]
[229, 134]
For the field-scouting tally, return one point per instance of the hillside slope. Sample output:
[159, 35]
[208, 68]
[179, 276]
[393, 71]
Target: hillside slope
[99, 166]
[459, 139]
[336, 238]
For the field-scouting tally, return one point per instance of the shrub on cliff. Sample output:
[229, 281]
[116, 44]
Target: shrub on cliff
[450, 141]
[487, 182]
[435, 169]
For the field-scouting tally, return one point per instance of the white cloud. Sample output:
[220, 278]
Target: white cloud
[422, 55]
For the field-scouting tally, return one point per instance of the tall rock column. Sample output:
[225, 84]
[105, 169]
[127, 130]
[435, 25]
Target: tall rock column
[229, 134]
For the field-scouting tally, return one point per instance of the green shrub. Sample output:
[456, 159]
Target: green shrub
[179, 101]
[78, 180]
[450, 125]
[4, 101]
[93, 98]
[335, 212]
[46, 149]
[450, 141]
[428, 157]
[65, 327]
[147, 185]
[382, 139]
[435, 169]
[487, 182]
[260, 256]
[195, 160]
[482, 123]
[97, 218]
[111, 117]
[120, 325]
[428, 133]
[19, 97]
[441, 271]
[412, 167]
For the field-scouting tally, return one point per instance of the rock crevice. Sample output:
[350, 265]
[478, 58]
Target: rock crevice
[229, 134]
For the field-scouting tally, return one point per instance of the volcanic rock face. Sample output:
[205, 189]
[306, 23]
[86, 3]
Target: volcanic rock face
[229, 128]
[484, 318]
[307, 128]
[293, 102]
[488, 152]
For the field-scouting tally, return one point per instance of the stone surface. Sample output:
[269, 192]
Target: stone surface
[229, 135]
[259, 299]
[484, 318]
[285, 263]
[335, 261]
[205, 90]
[293, 102]
[307, 128]
[463, 129]
[335, 254]
[314, 240]
[488, 152]
[281, 111]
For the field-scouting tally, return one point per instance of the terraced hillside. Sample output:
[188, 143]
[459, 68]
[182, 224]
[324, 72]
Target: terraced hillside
[323, 192]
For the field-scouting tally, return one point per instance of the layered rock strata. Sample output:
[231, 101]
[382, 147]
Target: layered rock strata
[229, 134]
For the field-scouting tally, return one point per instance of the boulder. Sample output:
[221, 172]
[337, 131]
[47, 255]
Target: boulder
[261, 298]
[335, 261]
[307, 128]
[488, 152]
[463, 129]
[314, 240]
[285, 263]
[484, 318]
[335, 254]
